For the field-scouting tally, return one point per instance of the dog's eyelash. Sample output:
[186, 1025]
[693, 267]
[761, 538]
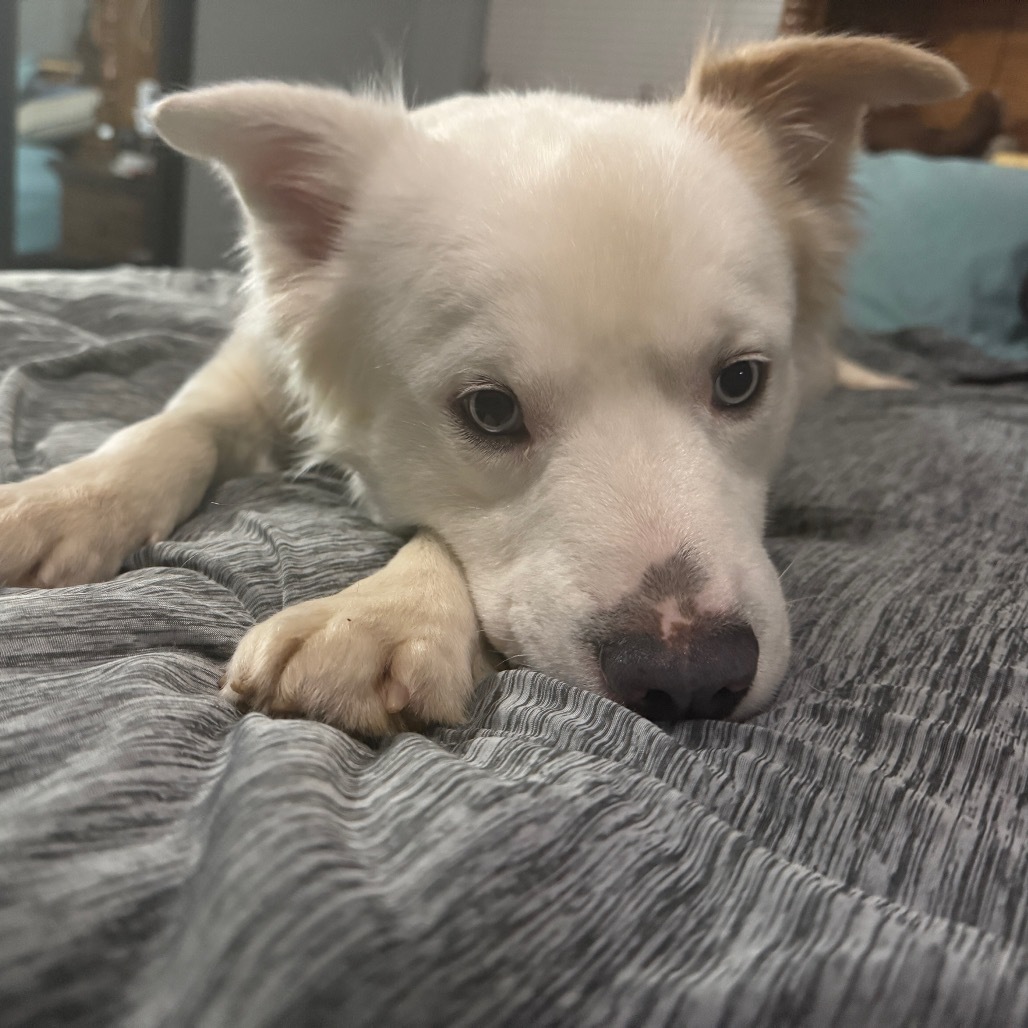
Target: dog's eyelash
[728, 357]
[488, 446]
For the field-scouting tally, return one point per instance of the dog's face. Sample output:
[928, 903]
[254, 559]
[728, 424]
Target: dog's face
[584, 333]
[570, 337]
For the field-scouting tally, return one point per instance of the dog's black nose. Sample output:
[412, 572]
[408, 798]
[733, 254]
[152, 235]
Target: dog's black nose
[706, 676]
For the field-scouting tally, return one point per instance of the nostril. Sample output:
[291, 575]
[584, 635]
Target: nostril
[726, 657]
[705, 677]
[657, 705]
[636, 666]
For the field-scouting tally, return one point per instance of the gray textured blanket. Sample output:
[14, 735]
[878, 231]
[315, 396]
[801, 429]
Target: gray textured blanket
[856, 855]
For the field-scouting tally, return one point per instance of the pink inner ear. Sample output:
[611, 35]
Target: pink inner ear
[289, 186]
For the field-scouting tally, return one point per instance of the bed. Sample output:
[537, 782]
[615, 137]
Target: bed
[858, 854]
[46, 118]
[37, 200]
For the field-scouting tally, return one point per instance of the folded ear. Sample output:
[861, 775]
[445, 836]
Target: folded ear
[295, 154]
[810, 93]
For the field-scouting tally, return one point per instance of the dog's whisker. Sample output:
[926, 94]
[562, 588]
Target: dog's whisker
[514, 658]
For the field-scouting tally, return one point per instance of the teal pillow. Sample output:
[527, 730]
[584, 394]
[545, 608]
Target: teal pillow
[944, 242]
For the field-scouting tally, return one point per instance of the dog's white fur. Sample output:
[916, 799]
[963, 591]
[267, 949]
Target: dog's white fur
[602, 260]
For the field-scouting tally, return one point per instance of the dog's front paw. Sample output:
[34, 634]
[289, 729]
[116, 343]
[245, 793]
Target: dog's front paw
[68, 526]
[378, 658]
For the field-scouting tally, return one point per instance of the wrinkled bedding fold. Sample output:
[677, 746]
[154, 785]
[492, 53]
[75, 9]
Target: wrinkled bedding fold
[858, 854]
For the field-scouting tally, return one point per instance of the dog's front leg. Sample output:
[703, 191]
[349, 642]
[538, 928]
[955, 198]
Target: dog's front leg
[78, 522]
[851, 375]
[395, 651]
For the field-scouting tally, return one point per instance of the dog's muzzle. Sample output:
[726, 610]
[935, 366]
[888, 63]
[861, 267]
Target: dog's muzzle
[703, 676]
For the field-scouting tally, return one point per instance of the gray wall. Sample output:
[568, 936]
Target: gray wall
[326, 41]
[614, 48]
[49, 28]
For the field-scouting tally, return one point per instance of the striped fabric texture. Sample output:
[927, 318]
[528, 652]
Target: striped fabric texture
[857, 855]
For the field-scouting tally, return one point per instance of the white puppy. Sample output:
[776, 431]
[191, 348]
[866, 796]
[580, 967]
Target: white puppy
[564, 338]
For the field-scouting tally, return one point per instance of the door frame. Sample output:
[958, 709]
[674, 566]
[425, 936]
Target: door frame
[8, 96]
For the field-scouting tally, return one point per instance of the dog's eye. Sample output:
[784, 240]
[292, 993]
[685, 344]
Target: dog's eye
[738, 383]
[492, 411]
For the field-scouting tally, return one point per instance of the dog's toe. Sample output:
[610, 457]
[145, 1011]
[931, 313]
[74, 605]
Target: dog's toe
[370, 660]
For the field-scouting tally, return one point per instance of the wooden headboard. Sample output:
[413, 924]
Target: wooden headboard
[986, 39]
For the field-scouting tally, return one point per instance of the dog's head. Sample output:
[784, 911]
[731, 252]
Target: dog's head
[571, 336]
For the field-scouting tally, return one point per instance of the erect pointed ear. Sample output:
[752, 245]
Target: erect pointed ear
[296, 155]
[810, 94]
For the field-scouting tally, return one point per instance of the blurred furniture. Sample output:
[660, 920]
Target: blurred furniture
[104, 216]
[124, 33]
